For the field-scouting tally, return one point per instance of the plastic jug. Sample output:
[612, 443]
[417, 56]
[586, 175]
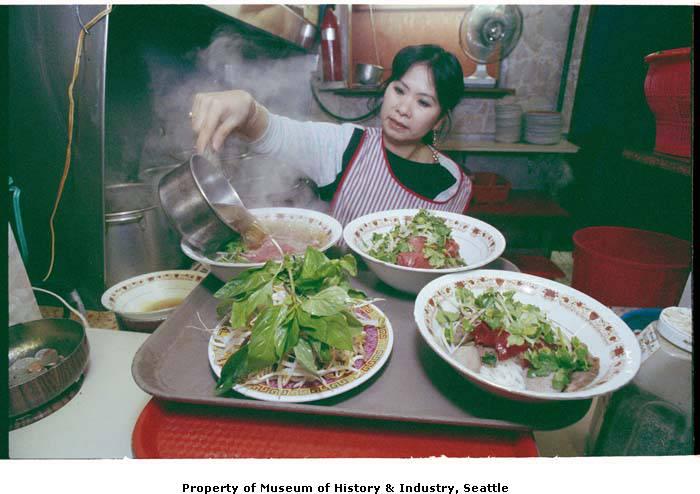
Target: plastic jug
[654, 414]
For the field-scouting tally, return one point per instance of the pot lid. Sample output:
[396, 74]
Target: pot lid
[129, 198]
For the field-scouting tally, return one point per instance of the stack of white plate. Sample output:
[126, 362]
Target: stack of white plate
[543, 127]
[508, 118]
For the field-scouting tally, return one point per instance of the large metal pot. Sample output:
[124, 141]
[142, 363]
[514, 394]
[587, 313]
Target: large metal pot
[138, 238]
[188, 195]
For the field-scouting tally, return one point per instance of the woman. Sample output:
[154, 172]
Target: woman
[363, 169]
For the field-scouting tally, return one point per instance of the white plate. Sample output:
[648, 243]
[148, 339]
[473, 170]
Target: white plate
[479, 244]
[607, 336]
[377, 357]
[227, 270]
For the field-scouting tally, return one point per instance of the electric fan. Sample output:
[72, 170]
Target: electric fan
[487, 34]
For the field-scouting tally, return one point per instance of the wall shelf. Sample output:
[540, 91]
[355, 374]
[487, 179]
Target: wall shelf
[674, 164]
[563, 147]
[469, 92]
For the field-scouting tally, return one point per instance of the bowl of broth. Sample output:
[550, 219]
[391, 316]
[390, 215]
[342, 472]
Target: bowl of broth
[293, 229]
[143, 302]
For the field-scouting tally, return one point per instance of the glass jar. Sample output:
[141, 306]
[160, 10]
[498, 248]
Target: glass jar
[653, 414]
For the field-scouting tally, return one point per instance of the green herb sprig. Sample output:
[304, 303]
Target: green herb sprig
[314, 318]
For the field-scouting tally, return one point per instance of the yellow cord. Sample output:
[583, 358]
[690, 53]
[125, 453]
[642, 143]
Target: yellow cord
[71, 112]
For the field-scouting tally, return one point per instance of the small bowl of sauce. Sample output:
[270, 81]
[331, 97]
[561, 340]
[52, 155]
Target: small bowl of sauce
[143, 302]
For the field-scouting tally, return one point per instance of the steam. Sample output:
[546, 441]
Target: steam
[230, 62]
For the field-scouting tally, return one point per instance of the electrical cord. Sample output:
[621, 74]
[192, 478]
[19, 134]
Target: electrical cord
[367, 115]
[84, 29]
[80, 316]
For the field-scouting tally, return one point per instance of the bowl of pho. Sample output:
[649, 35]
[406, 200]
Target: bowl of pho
[293, 229]
[526, 338]
[407, 248]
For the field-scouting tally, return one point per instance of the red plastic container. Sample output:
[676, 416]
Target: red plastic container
[667, 89]
[489, 188]
[629, 267]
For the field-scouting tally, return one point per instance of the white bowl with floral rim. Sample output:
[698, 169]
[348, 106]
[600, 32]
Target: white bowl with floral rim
[607, 336]
[151, 296]
[479, 244]
[307, 220]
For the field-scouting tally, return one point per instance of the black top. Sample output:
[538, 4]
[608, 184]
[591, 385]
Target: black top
[421, 178]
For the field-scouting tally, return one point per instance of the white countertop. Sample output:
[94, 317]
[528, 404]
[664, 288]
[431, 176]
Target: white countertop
[98, 421]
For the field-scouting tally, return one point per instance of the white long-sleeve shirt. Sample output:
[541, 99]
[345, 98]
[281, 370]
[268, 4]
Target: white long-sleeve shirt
[316, 149]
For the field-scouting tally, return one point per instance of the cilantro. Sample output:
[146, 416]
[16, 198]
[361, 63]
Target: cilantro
[489, 358]
[387, 246]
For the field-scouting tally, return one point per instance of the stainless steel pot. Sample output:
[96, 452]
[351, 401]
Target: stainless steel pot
[188, 195]
[138, 238]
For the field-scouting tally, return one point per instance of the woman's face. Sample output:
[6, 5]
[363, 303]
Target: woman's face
[410, 108]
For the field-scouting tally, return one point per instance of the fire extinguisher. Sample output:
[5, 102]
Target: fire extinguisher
[331, 59]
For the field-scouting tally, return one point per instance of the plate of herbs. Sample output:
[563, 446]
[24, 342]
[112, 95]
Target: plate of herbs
[296, 331]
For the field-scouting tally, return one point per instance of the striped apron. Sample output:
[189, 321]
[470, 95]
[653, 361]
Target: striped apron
[369, 185]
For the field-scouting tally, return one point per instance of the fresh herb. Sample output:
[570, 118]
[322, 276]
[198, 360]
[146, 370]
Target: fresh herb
[548, 351]
[311, 322]
[562, 360]
[233, 250]
[489, 358]
[388, 246]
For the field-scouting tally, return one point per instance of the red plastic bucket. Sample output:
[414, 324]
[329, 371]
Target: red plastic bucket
[629, 267]
[667, 88]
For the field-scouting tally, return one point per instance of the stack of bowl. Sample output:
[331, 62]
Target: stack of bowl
[543, 127]
[508, 118]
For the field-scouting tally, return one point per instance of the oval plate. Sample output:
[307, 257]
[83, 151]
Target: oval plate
[607, 336]
[378, 349]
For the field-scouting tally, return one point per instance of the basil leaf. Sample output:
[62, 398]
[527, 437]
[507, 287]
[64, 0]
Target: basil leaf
[354, 325]
[305, 356]
[233, 370]
[327, 302]
[248, 281]
[242, 311]
[349, 264]
[263, 335]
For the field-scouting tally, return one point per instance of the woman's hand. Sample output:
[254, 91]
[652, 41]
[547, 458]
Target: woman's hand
[216, 115]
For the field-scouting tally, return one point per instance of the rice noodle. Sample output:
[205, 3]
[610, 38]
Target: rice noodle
[507, 373]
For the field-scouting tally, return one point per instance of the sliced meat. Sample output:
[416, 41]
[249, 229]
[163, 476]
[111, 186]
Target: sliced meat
[412, 260]
[268, 251]
[498, 340]
[469, 357]
[452, 248]
[581, 379]
[417, 243]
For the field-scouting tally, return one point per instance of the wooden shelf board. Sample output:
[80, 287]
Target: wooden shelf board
[563, 146]
[672, 163]
[521, 203]
[469, 92]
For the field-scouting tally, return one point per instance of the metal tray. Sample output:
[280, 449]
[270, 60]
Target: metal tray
[415, 385]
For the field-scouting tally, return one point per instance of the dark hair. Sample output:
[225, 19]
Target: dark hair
[446, 69]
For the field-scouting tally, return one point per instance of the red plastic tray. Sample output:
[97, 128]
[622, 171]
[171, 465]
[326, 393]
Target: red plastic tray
[178, 430]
